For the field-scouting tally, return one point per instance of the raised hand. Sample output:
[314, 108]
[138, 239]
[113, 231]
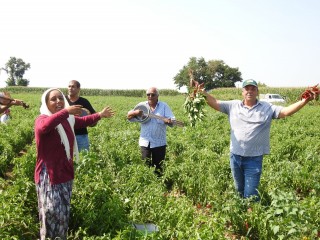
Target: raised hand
[107, 112]
[75, 110]
[311, 93]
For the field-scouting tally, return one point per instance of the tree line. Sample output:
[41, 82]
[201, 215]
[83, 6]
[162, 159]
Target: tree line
[213, 73]
[16, 68]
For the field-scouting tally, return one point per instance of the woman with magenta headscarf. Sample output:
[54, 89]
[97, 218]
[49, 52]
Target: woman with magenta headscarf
[56, 147]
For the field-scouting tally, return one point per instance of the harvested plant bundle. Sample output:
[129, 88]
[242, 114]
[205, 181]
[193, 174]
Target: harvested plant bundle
[195, 101]
[311, 93]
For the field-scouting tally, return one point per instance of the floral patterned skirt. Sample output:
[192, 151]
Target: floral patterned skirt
[53, 206]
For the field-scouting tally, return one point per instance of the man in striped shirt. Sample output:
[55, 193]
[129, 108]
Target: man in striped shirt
[152, 139]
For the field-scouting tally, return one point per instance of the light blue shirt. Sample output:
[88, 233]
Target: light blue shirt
[250, 127]
[154, 130]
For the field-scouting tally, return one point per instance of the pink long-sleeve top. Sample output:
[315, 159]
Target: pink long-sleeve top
[51, 151]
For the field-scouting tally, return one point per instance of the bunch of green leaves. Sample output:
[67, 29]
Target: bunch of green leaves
[18, 210]
[195, 101]
[194, 106]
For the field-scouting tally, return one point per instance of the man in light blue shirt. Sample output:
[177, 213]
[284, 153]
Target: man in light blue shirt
[250, 122]
[153, 139]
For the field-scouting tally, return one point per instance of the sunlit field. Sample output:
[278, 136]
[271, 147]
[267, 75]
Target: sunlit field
[113, 188]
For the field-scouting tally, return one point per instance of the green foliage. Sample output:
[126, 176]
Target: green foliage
[94, 200]
[18, 213]
[286, 217]
[14, 137]
[194, 107]
[214, 74]
[113, 188]
[16, 67]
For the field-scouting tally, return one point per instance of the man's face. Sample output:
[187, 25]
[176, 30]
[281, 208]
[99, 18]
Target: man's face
[73, 90]
[152, 96]
[250, 92]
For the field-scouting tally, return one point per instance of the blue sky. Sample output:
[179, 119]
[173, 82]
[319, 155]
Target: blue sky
[126, 44]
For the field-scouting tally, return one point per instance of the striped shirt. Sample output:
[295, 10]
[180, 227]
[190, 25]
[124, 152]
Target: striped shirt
[250, 127]
[154, 130]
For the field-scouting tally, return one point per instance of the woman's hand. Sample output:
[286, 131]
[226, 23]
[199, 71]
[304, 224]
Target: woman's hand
[74, 110]
[107, 112]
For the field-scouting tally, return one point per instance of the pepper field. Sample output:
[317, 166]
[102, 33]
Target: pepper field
[113, 188]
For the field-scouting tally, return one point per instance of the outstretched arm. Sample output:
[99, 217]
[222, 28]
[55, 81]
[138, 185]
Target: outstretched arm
[7, 103]
[293, 108]
[212, 101]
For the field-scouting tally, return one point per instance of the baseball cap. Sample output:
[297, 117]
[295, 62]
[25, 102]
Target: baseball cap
[249, 82]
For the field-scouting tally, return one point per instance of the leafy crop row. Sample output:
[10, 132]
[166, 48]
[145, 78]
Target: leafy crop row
[113, 188]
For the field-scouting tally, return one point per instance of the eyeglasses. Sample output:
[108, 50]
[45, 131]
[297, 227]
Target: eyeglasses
[151, 94]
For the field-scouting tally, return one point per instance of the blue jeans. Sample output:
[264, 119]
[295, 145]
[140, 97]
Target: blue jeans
[83, 142]
[246, 172]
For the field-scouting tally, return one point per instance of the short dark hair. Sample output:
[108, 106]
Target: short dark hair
[76, 82]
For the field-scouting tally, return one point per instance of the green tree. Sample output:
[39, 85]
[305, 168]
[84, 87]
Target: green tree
[16, 68]
[214, 74]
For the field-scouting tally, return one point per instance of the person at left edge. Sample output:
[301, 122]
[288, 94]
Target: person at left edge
[6, 102]
[56, 146]
[75, 99]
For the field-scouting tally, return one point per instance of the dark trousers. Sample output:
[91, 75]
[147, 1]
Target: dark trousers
[154, 157]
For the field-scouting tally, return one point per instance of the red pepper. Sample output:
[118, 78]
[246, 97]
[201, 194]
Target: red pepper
[311, 93]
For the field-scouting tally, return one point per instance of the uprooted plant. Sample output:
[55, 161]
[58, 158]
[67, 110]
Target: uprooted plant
[195, 101]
